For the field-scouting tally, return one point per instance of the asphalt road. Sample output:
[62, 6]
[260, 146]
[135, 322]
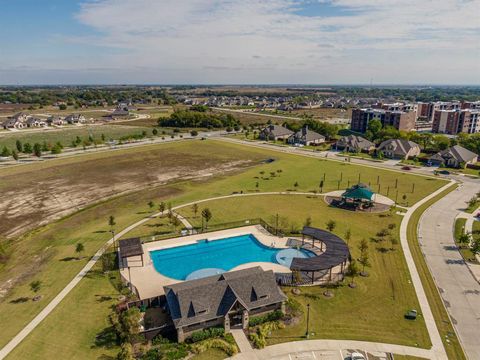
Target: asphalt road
[458, 287]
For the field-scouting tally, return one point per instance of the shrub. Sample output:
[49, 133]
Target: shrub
[273, 316]
[229, 348]
[207, 334]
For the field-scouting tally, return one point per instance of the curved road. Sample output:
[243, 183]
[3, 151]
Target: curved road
[458, 287]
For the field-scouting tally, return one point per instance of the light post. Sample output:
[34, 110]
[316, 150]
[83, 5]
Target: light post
[307, 334]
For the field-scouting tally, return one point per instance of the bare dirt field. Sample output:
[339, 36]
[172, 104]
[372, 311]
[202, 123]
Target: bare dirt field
[39, 193]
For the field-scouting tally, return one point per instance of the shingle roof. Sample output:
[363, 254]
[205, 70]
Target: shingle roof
[130, 247]
[355, 141]
[401, 146]
[277, 130]
[457, 152]
[194, 301]
[308, 135]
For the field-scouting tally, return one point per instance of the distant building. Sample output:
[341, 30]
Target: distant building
[354, 143]
[456, 121]
[456, 156]
[225, 300]
[305, 136]
[55, 120]
[75, 119]
[275, 132]
[399, 148]
[35, 122]
[400, 120]
[17, 121]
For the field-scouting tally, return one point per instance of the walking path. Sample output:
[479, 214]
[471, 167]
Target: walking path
[242, 342]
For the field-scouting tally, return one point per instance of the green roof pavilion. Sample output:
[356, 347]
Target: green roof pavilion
[359, 192]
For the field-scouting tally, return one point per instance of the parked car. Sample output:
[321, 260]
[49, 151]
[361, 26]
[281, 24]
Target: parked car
[444, 172]
[406, 168]
[357, 356]
[411, 315]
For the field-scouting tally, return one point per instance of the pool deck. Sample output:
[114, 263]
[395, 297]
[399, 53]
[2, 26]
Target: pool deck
[149, 283]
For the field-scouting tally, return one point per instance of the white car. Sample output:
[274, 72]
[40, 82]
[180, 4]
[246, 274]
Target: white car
[356, 356]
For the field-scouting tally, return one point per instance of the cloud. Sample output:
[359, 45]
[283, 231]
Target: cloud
[251, 41]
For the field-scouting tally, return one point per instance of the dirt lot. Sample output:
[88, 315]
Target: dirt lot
[39, 193]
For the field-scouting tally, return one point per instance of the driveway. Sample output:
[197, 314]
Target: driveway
[459, 289]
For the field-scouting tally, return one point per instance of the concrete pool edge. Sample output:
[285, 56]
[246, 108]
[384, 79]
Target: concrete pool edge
[147, 281]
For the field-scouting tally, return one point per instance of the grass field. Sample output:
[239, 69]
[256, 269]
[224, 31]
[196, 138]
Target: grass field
[374, 310]
[442, 320]
[68, 134]
[463, 248]
[50, 248]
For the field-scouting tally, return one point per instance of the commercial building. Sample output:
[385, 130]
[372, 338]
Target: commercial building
[456, 121]
[401, 120]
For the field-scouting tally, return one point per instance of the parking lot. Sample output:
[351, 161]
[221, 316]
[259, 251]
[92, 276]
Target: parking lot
[333, 355]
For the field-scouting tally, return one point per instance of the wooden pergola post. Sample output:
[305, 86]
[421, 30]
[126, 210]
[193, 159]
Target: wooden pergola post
[313, 276]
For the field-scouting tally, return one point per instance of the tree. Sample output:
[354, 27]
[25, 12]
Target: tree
[126, 352]
[57, 148]
[364, 261]
[475, 246]
[111, 221]
[5, 152]
[374, 126]
[207, 215]
[393, 241]
[79, 248]
[175, 222]
[472, 202]
[363, 246]
[331, 224]
[151, 205]
[155, 132]
[161, 207]
[308, 221]
[465, 238]
[15, 155]
[194, 133]
[296, 184]
[321, 185]
[348, 235]
[27, 148]
[35, 286]
[353, 270]
[62, 107]
[19, 146]
[195, 209]
[37, 150]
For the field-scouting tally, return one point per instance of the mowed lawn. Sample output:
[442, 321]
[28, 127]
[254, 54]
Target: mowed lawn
[374, 311]
[51, 246]
[68, 134]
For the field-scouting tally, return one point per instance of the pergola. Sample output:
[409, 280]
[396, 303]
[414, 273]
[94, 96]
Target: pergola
[333, 252]
[129, 248]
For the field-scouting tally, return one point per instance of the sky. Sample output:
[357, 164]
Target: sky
[240, 42]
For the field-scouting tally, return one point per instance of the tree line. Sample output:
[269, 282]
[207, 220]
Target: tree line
[198, 119]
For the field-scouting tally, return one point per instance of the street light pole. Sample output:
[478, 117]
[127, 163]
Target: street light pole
[307, 334]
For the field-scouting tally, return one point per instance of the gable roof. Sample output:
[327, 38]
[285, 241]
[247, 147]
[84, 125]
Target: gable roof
[459, 153]
[355, 141]
[308, 135]
[209, 298]
[277, 130]
[400, 146]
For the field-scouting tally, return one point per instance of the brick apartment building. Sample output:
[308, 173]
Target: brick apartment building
[400, 120]
[456, 121]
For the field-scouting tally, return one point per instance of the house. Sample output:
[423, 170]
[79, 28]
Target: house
[35, 122]
[120, 112]
[455, 157]
[12, 123]
[55, 120]
[399, 148]
[275, 132]
[354, 143]
[75, 119]
[227, 300]
[305, 136]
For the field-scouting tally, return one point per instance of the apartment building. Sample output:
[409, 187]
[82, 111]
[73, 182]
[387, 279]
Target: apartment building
[456, 121]
[401, 120]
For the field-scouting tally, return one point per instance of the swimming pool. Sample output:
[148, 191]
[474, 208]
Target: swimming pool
[205, 258]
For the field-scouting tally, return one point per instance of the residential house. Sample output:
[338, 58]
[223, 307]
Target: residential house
[354, 143]
[75, 119]
[399, 148]
[35, 122]
[275, 132]
[227, 300]
[17, 121]
[55, 120]
[307, 137]
[455, 157]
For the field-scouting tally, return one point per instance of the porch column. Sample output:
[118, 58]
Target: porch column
[180, 335]
[226, 323]
[245, 319]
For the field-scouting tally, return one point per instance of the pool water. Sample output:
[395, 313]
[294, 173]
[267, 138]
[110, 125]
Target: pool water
[206, 258]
